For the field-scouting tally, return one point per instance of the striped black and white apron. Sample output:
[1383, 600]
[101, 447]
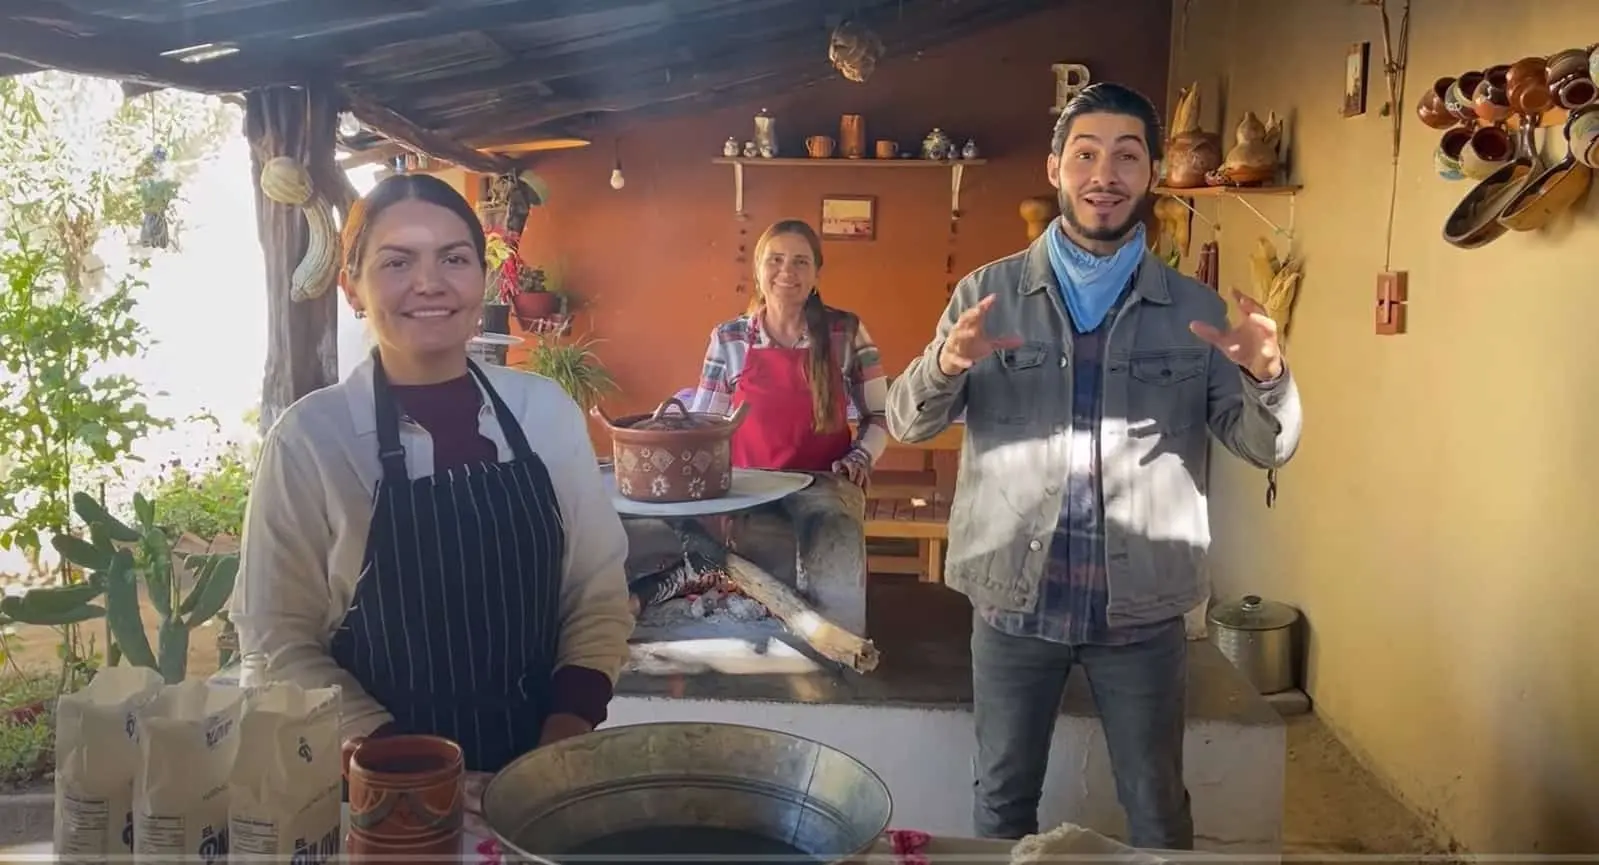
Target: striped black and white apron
[454, 623]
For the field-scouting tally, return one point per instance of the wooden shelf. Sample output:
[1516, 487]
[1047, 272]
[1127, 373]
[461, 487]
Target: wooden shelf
[1200, 191]
[838, 162]
[1241, 194]
[956, 168]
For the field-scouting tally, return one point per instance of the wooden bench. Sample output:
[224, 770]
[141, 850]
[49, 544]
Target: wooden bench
[896, 484]
[923, 520]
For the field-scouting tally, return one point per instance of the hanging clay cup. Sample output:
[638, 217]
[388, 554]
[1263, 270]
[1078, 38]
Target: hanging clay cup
[406, 798]
[1458, 98]
[1431, 107]
[1491, 99]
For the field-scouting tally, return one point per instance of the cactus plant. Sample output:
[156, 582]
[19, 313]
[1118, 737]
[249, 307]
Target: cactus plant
[115, 559]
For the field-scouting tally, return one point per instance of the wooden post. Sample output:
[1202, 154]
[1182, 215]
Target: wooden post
[302, 345]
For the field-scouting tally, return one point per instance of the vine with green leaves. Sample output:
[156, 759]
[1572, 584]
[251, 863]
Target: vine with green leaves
[74, 173]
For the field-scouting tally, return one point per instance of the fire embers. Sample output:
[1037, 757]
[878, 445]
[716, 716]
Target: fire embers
[725, 600]
[694, 587]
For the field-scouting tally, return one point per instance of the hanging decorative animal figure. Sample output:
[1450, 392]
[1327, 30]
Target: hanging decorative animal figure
[156, 192]
[286, 181]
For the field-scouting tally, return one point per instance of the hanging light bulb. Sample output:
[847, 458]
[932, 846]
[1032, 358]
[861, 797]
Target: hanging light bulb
[617, 180]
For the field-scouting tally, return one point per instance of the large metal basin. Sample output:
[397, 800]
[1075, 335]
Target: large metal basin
[559, 801]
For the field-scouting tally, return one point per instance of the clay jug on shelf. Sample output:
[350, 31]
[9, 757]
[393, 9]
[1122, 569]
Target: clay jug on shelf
[1192, 152]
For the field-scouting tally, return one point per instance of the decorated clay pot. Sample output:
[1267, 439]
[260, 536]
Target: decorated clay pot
[406, 797]
[673, 456]
[1190, 156]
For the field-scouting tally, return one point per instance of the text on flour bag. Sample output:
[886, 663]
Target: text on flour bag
[287, 787]
[94, 797]
[188, 741]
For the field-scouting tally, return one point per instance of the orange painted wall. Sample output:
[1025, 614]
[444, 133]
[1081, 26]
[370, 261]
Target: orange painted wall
[654, 263]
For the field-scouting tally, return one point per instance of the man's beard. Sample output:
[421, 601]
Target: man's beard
[1140, 213]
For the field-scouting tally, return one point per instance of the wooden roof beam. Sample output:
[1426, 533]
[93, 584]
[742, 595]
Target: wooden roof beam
[395, 126]
[351, 42]
[671, 40]
[670, 92]
[126, 59]
[285, 20]
[793, 61]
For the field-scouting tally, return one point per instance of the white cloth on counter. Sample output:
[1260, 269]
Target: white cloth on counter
[306, 527]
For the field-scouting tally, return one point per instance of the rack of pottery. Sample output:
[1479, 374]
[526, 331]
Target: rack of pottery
[1489, 120]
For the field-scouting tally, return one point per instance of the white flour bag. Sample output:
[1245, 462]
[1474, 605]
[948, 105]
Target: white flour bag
[188, 740]
[287, 784]
[97, 757]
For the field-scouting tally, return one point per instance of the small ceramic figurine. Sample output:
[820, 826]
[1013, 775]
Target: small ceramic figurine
[768, 150]
[731, 147]
[750, 150]
[937, 145]
[970, 150]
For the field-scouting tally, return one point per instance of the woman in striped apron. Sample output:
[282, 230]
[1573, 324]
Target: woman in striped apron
[431, 535]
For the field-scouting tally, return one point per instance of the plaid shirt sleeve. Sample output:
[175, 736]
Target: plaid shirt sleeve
[868, 384]
[724, 360]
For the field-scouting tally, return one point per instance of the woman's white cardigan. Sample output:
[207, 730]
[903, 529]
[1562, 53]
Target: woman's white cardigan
[310, 505]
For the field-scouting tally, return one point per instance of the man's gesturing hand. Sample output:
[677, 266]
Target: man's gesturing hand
[967, 343]
[1251, 343]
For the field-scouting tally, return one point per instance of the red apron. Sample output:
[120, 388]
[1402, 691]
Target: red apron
[776, 432]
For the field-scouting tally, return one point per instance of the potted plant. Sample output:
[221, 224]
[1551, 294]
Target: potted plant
[574, 366]
[536, 298]
[504, 272]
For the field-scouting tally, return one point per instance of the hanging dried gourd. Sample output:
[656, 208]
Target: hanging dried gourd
[854, 50]
[286, 181]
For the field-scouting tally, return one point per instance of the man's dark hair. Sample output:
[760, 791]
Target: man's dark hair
[1107, 98]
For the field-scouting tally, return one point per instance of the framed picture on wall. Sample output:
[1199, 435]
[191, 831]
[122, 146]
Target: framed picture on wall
[849, 217]
[1355, 63]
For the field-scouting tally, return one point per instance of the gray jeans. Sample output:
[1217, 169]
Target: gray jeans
[1017, 684]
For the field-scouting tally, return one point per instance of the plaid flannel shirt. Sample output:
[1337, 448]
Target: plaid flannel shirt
[865, 382]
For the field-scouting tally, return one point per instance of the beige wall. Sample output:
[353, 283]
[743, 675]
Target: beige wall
[1437, 527]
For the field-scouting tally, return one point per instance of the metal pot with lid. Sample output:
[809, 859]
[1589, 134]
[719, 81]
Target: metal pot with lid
[1256, 635]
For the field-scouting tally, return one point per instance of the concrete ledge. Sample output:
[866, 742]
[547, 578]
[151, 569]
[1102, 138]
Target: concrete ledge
[27, 816]
[911, 721]
[1234, 771]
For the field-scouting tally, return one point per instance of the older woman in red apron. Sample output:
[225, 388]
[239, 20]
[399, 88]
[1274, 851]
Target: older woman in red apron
[797, 365]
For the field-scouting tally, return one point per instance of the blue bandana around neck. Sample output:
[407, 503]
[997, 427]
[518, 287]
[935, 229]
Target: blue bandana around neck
[1090, 284]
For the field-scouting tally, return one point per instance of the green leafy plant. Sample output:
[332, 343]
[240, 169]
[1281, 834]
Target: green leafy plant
[207, 501]
[117, 558]
[27, 725]
[574, 366]
[59, 415]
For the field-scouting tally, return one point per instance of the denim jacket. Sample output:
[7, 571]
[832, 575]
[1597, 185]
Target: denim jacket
[1163, 389]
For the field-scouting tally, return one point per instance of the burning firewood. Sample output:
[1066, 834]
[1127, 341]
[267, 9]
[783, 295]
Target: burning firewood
[832, 641]
[785, 604]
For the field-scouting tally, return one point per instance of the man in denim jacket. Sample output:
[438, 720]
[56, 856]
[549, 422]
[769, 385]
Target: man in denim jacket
[1089, 374]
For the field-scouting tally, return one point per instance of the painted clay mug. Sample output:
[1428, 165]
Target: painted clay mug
[406, 798]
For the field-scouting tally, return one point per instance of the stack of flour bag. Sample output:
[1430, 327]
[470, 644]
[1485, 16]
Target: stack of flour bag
[190, 772]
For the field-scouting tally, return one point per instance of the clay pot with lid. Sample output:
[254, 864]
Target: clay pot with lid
[673, 454]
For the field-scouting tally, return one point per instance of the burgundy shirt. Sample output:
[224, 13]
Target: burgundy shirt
[449, 412]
